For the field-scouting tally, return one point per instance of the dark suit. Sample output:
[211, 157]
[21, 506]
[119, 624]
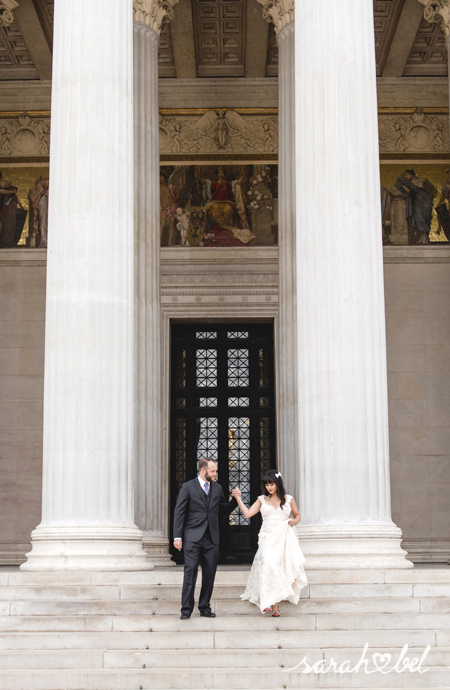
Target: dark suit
[196, 522]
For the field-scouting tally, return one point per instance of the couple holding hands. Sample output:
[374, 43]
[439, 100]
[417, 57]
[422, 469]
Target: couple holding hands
[277, 573]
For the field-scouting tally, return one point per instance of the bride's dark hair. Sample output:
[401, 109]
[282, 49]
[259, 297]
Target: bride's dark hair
[271, 478]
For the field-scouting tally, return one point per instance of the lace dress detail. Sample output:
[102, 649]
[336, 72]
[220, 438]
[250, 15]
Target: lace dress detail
[277, 572]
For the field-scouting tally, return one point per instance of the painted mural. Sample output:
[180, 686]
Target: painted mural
[219, 205]
[23, 206]
[415, 203]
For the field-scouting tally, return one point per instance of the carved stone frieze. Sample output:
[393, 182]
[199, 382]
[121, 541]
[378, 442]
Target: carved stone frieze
[220, 279]
[218, 131]
[6, 11]
[153, 13]
[278, 12]
[228, 131]
[437, 11]
[417, 132]
[25, 136]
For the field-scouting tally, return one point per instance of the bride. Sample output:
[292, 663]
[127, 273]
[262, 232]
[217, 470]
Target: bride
[277, 572]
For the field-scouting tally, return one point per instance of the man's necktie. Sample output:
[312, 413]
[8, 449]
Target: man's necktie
[206, 488]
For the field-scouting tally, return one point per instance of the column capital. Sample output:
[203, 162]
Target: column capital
[436, 10]
[153, 13]
[279, 12]
[6, 11]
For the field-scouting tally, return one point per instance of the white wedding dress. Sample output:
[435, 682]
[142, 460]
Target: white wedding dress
[277, 572]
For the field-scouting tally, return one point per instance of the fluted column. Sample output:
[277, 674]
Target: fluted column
[281, 15]
[152, 475]
[439, 11]
[344, 485]
[88, 493]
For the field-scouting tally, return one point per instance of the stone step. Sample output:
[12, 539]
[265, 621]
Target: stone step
[238, 576]
[172, 592]
[294, 621]
[221, 607]
[388, 621]
[273, 658]
[223, 639]
[233, 659]
[218, 679]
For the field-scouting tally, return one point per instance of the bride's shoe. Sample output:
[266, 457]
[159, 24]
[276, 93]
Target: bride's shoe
[276, 614]
[267, 610]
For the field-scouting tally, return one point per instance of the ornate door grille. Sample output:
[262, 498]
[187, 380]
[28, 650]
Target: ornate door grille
[223, 407]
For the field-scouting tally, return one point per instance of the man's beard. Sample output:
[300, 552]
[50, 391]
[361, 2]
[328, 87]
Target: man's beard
[207, 477]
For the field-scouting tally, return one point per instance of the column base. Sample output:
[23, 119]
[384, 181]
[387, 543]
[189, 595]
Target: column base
[370, 547]
[86, 548]
[157, 547]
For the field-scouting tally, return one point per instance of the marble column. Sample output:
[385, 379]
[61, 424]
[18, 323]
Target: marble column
[439, 11]
[152, 492]
[282, 16]
[88, 493]
[344, 484]
[6, 12]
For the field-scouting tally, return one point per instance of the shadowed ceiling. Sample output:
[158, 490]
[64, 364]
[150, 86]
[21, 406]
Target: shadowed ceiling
[229, 38]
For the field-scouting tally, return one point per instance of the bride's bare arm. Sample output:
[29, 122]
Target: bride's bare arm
[294, 510]
[248, 512]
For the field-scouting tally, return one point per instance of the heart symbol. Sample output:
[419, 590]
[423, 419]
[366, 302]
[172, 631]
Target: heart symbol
[382, 658]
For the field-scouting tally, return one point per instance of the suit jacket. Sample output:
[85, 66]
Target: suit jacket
[195, 510]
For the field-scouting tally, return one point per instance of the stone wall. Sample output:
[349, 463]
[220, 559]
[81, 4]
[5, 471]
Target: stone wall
[417, 283]
[22, 314]
[417, 286]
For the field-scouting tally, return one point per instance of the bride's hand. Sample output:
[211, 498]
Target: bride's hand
[236, 493]
[291, 522]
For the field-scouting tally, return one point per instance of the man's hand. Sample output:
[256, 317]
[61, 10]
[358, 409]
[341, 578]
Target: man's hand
[178, 544]
[236, 493]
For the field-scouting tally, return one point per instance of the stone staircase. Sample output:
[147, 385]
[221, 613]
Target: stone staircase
[121, 631]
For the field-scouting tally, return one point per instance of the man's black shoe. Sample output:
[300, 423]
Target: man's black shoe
[184, 617]
[208, 614]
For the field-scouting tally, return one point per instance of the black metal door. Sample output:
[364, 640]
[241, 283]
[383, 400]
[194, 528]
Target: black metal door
[223, 407]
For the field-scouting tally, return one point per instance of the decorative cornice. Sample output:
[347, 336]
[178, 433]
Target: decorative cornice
[437, 10]
[153, 13]
[279, 12]
[6, 11]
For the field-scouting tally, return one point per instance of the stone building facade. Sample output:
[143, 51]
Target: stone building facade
[86, 394]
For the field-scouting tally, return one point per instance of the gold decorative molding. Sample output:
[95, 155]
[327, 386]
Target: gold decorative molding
[437, 11]
[7, 8]
[278, 12]
[153, 13]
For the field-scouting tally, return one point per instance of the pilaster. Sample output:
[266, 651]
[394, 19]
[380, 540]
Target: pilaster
[153, 13]
[278, 12]
[437, 11]
[152, 470]
[7, 8]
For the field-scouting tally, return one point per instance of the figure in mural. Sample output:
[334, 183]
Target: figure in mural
[226, 212]
[5, 142]
[183, 224]
[221, 129]
[268, 137]
[11, 223]
[39, 202]
[418, 194]
[442, 210]
[168, 195]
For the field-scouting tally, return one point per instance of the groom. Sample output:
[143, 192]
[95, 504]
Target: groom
[196, 529]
